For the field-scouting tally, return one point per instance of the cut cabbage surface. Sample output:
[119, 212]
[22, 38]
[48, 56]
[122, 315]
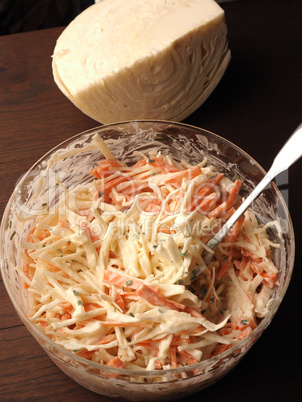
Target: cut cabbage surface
[154, 59]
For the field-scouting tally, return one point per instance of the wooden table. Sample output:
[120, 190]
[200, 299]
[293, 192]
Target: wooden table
[257, 105]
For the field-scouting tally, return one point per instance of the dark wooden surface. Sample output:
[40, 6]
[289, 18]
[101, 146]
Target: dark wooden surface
[256, 105]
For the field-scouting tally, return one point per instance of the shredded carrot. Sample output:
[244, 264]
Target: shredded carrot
[209, 186]
[173, 357]
[64, 224]
[226, 205]
[91, 306]
[234, 232]
[226, 266]
[104, 166]
[105, 188]
[86, 354]
[221, 348]
[218, 211]
[189, 359]
[233, 194]
[120, 301]
[25, 269]
[270, 278]
[121, 280]
[247, 253]
[206, 205]
[188, 174]
[161, 165]
[193, 312]
[158, 300]
[116, 362]
[142, 162]
[107, 339]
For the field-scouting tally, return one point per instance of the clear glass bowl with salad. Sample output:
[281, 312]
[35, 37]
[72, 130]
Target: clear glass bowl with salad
[101, 248]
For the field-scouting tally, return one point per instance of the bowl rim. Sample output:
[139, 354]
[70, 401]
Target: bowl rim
[249, 340]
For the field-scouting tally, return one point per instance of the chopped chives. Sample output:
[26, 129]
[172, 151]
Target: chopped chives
[196, 271]
[203, 289]
[129, 282]
[13, 234]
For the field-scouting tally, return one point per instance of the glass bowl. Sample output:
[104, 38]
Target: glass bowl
[184, 142]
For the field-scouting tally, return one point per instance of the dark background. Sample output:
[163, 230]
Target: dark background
[256, 105]
[29, 15]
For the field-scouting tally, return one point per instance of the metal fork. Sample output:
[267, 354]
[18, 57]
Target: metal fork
[289, 154]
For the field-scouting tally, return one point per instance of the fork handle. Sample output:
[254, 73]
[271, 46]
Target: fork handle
[289, 153]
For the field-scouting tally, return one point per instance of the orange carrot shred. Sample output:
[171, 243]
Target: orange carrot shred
[158, 300]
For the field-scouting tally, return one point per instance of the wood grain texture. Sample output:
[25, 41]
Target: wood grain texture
[34, 115]
[256, 105]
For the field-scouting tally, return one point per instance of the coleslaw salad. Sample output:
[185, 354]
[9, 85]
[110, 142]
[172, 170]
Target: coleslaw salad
[117, 275]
